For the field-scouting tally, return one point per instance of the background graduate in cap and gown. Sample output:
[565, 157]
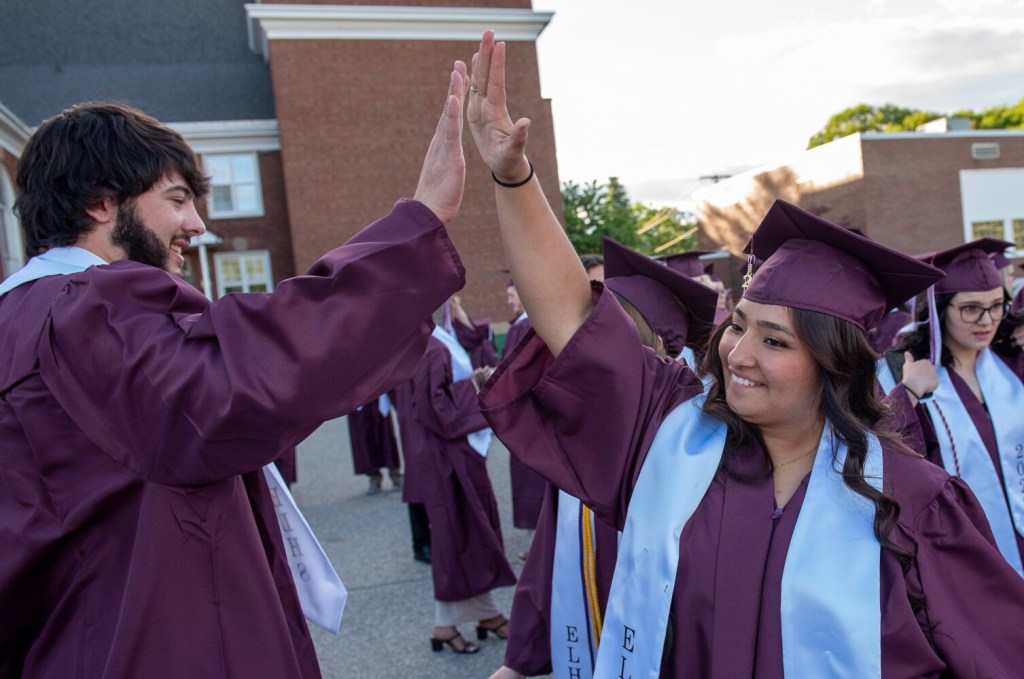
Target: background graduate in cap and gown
[970, 402]
[446, 441]
[528, 488]
[744, 546]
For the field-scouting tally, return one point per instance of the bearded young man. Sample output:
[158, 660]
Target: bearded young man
[138, 536]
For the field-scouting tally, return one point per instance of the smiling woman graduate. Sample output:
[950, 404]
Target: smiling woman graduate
[972, 424]
[770, 527]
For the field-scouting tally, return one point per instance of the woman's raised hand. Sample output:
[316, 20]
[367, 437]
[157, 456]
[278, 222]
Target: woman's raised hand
[443, 176]
[502, 143]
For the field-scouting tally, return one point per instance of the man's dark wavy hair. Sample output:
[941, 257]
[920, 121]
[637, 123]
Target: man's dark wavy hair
[88, 153]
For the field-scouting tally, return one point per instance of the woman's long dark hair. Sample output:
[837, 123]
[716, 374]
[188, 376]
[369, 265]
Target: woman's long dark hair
[850, 402]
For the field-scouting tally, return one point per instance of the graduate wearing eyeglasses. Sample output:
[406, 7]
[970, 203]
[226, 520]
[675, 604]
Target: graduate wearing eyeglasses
[972, 420]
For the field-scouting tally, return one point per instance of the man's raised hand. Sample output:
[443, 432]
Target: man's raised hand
[443, 177]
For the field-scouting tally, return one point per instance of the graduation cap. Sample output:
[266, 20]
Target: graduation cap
[970, 267]
[686, 263]
[811, 263]
[680, 310]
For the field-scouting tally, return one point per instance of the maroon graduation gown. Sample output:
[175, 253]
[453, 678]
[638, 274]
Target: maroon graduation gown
[137, 535]
[466, 550]
[528, 487]
[725, 617]
[529, 636]
[979, 415]
[374, 446]
[477, 342]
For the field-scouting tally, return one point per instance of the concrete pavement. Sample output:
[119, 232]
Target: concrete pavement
[390, 611]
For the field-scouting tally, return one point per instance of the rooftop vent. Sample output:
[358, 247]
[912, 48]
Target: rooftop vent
[985, 151]
[947, 124]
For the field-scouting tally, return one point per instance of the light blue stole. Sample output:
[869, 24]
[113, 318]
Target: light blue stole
[831, 613]
[322, 595]
[53, 262]
[462, 368]
[321, 592]
[689, 357]
[1004, 397]
[831, 610]
[680, 465]
[573, 645]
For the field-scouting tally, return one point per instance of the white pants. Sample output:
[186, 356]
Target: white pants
[480, 607]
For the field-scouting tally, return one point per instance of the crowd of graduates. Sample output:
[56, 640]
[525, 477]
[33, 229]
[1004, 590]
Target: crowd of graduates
[824, 479]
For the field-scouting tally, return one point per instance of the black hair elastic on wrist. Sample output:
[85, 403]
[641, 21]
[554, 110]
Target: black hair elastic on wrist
[516, 185]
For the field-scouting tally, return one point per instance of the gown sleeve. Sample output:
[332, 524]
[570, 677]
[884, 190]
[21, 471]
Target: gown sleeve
[913, 424]
[584, 420]
[975, 600]
[447, 409]
[185, 392]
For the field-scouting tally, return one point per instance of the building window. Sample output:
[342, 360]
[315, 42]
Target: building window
[10, 230]
[243, 272]
[989, 229]
[993, 205]
[235, 185]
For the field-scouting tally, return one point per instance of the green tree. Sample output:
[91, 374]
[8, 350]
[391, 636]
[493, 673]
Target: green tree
[892, 118]
[867, 118]
[594, 210]
[1000, 117]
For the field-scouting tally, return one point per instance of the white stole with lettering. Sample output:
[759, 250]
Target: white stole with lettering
[573, 643]
[320, 590]
[1004, 397]
[679, 467]
[462, 368]
[831, 613]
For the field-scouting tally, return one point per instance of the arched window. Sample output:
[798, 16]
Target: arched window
[12, 244]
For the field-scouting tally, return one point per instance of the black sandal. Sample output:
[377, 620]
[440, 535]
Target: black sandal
[467, 646]
[481, 631]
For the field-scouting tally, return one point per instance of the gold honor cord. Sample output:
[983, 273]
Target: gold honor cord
[590, 572]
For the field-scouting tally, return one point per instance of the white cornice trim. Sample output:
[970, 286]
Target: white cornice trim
[13, 133]
[230, 136]
[268, 22]
[957, 134]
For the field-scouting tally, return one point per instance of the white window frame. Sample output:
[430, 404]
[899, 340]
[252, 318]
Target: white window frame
[211, 208]
[246, 283]
[993, 195]
[13, 243]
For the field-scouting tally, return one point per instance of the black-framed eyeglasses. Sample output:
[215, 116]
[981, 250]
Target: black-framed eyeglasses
[972, 313]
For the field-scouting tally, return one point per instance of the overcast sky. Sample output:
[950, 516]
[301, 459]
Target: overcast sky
[660, 92]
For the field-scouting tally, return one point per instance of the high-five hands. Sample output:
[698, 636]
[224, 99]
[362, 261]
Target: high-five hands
[502, 143]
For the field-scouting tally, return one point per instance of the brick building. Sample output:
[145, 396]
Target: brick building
[915, 191]
[311, 118]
